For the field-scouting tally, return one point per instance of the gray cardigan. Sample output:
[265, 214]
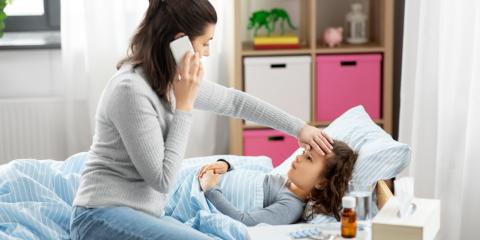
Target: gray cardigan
[140, 141]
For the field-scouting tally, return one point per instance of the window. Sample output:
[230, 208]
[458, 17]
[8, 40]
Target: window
[32, 15]
[25, 8]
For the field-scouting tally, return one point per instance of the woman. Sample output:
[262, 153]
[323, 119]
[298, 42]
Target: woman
[142, 123]
[312, 177]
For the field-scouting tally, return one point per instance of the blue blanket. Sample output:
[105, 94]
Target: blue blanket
[189, 205]
[36, 197]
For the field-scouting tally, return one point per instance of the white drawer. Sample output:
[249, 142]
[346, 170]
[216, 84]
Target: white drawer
[283, 81]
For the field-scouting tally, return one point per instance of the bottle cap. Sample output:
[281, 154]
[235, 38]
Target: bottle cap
[348, 202]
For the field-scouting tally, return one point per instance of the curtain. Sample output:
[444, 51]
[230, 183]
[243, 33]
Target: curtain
[440, 108]
[95, 36]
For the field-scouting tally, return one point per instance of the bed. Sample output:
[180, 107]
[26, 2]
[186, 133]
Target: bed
[36, 195]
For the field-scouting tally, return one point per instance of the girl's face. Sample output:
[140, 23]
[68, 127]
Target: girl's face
[201, 43]
[307, 169]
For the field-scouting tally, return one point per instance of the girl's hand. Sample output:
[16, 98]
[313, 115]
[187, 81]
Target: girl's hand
[316, 139]
[219, 167]
[209, 180]
[185, 86]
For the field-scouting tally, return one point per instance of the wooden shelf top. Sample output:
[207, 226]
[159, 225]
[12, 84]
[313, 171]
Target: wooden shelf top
[350, 48]
[248, 50]
[345, 48]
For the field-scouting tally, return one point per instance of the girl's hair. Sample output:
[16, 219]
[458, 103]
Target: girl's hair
[149, 48]
[338, 171]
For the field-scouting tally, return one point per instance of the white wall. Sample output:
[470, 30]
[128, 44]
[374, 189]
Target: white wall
[30, 73]
[30, 79]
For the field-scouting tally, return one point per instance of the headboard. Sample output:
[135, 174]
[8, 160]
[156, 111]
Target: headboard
[384, 191]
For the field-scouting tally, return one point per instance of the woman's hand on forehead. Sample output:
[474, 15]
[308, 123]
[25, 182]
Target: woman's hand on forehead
[313, 138]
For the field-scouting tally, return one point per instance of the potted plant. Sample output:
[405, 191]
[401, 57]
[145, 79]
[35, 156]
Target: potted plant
[3, 15]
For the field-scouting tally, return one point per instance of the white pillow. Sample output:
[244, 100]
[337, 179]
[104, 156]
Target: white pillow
[379, 155]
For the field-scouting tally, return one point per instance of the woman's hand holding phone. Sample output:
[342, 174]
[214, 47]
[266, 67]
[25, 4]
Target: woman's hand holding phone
[189, 73]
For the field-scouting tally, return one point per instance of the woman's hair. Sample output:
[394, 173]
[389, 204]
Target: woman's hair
[149, 47]
[337, 173]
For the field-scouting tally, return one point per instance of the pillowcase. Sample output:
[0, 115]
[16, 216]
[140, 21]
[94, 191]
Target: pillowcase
[379, 155]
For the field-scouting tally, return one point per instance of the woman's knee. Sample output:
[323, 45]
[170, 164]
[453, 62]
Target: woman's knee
[177, 230]
[93, 224]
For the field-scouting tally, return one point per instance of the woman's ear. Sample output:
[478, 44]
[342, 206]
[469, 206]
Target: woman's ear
[179, 35]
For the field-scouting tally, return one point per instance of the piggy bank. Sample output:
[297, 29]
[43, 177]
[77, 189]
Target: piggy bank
[333, 36]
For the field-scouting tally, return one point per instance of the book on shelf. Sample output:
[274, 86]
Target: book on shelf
[276, 39]
[276, 42]
[276, 46]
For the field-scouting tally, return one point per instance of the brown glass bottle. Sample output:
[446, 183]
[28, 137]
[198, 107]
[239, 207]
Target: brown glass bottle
[348, 218]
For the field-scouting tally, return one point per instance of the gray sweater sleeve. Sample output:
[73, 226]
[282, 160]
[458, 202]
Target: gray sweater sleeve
[285, 210]
[233, 103]
[156, 159]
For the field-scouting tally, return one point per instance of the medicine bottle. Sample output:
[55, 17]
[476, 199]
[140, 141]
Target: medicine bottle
[348, 218]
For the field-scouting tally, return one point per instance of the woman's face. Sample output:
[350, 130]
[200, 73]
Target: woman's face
[307, 169]
[201, 43]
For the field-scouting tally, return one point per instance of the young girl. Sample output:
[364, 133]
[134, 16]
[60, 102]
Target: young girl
[312, 177]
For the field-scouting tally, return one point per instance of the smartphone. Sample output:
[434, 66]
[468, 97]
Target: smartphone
[180, 47]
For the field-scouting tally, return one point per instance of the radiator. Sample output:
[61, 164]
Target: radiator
[32, 128]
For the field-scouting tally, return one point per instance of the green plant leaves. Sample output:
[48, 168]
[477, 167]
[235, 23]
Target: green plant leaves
[2, 16]
[2, 26]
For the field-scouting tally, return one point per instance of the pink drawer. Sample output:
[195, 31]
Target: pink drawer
[345, 81]
[274, 144]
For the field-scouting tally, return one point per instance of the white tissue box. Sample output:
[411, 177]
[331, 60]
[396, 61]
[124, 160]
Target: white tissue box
[423, 224]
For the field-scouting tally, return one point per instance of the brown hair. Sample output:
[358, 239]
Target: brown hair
[149, 47]
[338, 172]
